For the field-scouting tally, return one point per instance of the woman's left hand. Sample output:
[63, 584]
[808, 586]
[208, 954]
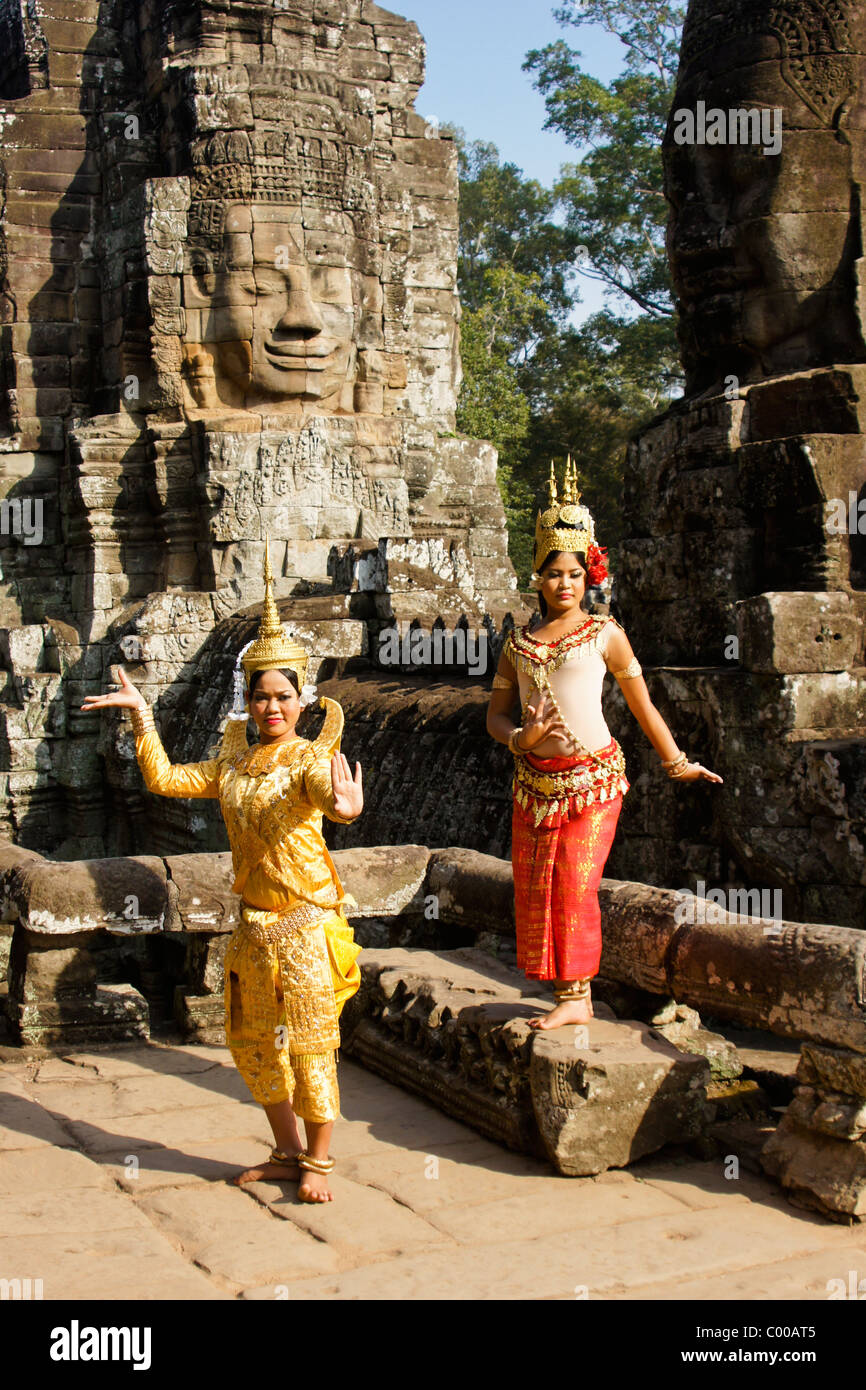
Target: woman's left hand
[348, 792]
[694, 772]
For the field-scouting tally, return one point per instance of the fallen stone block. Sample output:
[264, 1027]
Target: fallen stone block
[453, 1027]
[818, 1152]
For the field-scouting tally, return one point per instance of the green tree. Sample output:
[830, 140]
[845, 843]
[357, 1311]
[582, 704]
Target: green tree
[614, 195]
[534, 383]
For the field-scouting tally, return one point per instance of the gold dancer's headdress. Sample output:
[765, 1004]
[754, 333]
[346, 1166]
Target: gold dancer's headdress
[274, 648]
[549, 527]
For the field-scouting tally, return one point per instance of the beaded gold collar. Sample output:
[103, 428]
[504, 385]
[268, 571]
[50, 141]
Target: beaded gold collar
[527, 653]
[260, 759]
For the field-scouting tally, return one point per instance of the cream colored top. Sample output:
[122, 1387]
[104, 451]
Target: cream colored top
[577, 685]
[580, 662]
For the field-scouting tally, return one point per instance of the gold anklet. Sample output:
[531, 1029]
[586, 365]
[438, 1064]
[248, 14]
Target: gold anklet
[323, 1166]
[277, 1156]
[579, 990]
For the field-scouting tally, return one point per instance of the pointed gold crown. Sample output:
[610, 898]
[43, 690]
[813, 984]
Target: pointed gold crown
[273, 648]
[549, 528]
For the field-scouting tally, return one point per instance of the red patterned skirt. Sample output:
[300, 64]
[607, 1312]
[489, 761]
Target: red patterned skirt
[565, 817]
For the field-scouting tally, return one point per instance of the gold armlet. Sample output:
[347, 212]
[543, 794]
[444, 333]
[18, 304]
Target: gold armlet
[502, 683]
[142, 720]
[630, 671]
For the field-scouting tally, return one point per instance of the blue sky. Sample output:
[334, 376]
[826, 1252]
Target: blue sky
[475, 51]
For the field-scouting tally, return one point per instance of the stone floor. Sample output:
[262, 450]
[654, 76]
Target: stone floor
[114, 1171]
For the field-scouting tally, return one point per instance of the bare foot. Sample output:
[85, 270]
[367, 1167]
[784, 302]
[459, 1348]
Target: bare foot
[269, 1172]
[570, 1011]
[314, 1188]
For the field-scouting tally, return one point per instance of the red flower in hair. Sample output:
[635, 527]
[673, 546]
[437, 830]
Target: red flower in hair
[596, 565]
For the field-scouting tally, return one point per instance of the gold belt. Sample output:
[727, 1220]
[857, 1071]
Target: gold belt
[548, 793]
[298, 917]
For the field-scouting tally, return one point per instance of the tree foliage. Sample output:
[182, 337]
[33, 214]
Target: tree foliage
[534, 383]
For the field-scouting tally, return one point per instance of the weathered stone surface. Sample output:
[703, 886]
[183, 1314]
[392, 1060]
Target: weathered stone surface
[626, 1093]
[741, 571]
[114, 1013]
[452, 1026]
[781, 633]
[264, 344]
[123, 896]
[818, 1153]
[797, 980]
[817, 1171]
[199, 893]
[384, 880]
[473, 889]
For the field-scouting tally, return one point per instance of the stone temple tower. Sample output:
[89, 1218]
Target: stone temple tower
[743, 588]
[227, 310]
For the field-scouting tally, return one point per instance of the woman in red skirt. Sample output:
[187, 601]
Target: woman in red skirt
[569, 776]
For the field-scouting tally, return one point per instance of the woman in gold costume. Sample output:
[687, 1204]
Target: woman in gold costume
[569, 778]
[291, 964]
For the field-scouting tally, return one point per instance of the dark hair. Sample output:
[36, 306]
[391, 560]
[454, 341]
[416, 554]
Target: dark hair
[284, 671]
[554, 555]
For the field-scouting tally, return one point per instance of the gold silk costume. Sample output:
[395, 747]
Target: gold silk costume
[291, 964]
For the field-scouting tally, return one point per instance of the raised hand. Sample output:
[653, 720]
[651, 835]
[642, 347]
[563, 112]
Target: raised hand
[348, 791]
[127, 697]
[694, 772]
[541, 721]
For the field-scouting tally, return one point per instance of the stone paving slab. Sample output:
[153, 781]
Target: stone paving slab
[235, 1238]
[156, 1169]
[102, 1203]
[807, 1277]
[360, 1220]
[127, 1264]
[25, 1125]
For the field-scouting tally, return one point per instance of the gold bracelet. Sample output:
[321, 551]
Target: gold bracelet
[669, 762]
[142, 720]
[513, 745]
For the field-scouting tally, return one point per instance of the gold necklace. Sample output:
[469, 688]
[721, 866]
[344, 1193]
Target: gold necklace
[262, 758]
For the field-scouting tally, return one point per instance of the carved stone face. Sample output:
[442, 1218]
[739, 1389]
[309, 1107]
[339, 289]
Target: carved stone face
[284, 316]
[762, 246]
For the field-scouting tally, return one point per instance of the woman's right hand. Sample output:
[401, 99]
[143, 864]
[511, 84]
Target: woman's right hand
[540, 721]
[127, 697]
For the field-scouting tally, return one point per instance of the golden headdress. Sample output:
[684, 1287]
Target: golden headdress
[273, 649]
[549, 527]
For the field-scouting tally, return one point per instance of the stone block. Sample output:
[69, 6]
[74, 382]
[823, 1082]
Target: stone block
[123, 896]
[799, 632]
[473, 890]
[22, 649]
[623, 1093]
[200, 1017]
[818, 1171]
[116, 1013]
[199, 893]
[384, 880]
